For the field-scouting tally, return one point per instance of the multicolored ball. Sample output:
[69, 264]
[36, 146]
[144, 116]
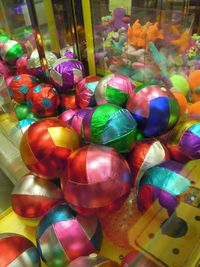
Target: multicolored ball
[115, 89]
[93, 261]
[46, 145]
[183, 141]
[67, 115]
[11, 51]
[8, 80]
[164, 182]
[66, 73]
[32, 197]
[62, 235]
[43, 100]
[154, 108]
[20, 86]
[136, 258]
[17, 250]
[25, 123]
[84, 91]
[21, 65]
[110, 125]
[96, 181]
[3, 39]
[4, 70]
[67, 102]
[146, 154]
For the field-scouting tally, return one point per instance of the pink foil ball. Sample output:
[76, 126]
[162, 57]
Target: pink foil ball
[4, 70]
[21, 64]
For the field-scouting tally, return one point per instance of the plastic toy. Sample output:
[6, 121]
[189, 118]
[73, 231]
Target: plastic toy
[194, 108]
[180, 84]
[43, 100]
[146, 154]
[93, 261]
[66, 73]
[154, 108]
[163, 182]
[182, 101]
[62, 236]
[110, 125]
[20, 85]
[17, 250]
[115, 89]
[84, 91]
[183, 42]
[138, 259]
[11, 51]
[32, 197]
[46, 145]
[194, 81]
[97, 180]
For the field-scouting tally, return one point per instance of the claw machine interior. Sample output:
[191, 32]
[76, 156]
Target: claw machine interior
[151, 42]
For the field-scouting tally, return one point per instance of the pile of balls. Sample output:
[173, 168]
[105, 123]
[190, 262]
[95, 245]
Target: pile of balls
[100, 151]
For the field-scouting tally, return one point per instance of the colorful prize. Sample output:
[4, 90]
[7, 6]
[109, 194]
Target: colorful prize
[66, 73]
[21, 65]
[164, 182]
[3, 39]
[67, 102]
[97, 180]
[17, 250]
[46, 145]
[146, 154]
[43, 100]
[93, 261]
[62, 235]
[20, 85]
[180, 84]
[154, 108]
[11, 51]
[25, 123]
[84, 91]
[32, 197]
[115, 89]
[110, 125]
[138, 259]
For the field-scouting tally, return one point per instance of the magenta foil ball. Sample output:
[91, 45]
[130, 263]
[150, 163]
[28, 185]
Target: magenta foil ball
[21, 64]
[66, 73]
[67, 115]
[63, 235]
[4, 70]
[97, 180]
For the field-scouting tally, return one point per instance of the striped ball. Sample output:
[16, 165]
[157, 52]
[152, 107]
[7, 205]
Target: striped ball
[110, 125]
[154, 108]
[165, 182]
[63, 235]
[16, 250]
[11, 51]
[93, 261]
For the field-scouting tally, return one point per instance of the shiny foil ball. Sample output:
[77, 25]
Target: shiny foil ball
[3, 39]
[165, 182]
[84, 91]
[43, 100]
[66, 73]
[8, 80]
[21, 65]
[154, 108]
[97, 180]
[62, 236]
[46, 145]
[93, 261]
[33, 63]
[20, 86]
[144, 155]
[110, 125]
[137, 259]
[67, 115]
[11, 51]
[67, 102]
[32, 196]
[24, 124]
[4, 70]
[115, 89]
[17, 250]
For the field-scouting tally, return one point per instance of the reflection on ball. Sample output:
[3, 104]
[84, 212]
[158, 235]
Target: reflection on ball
[46, 145]
[97, 180]
[62, 236]
[11, 51]
[16, 250]
[92, 261]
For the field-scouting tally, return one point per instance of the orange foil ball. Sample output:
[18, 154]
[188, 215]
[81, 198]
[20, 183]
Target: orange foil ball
[46, 145]
[97, 180]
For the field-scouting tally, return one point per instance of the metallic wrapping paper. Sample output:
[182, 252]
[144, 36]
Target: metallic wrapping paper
[115, 89]
[20, 85]
[110, 125]
[66, 73]
[137, 259]
[11, 51]
[93, 261]
[67, 115]
[84, 91]
[67, 102]
[97, 180]
[3, 39]
[43, 100]
[21, 64]
[46, 145]
[16, 250]
[4, 70]
[154, 108]
[163, 182]
[32, 196]
[62, 236]
[146, 154]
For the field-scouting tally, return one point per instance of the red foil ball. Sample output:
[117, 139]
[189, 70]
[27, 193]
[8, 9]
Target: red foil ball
[96, 181]
[67, 102]
[43, 100]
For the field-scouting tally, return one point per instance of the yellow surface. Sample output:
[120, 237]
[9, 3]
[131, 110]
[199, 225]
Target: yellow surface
[10, 222]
